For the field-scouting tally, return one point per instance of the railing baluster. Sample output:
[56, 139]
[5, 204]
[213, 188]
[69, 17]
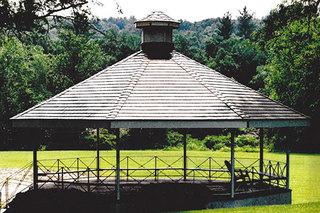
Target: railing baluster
[62, 180]
[88, 180]
[127, 162]
[278, 173]
[270, 173]
[252, 172]
[155, 168]
[252, 179]
[210, 169]
[58, 164]
[194, 175]
[78, 173]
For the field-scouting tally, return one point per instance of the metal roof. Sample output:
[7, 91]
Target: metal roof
[139, 92]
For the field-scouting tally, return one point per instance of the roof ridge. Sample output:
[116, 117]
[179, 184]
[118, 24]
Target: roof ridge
[70, 88]
[126, 92]
[220, 95]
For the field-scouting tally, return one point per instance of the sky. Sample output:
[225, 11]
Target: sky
[190, 10]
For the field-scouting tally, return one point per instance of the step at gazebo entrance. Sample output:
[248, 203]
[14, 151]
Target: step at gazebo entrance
[158, 87]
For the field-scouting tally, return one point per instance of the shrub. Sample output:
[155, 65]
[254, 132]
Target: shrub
[174, 138]
[176, 142]
[222, 142]
[107, 140]
[195, 144]
[216, 142]
[246, 140]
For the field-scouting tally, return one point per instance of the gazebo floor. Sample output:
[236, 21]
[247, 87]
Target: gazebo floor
[212, 188]
[145, 196]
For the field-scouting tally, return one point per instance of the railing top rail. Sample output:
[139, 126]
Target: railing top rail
[163, 156]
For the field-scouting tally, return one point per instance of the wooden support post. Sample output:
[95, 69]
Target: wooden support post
[117, 164]
[261, 155]
[288, 166]
[232, 163]
[184, 155]
[35, 168]
[98, 155]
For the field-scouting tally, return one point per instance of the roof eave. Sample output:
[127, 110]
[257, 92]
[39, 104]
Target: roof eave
[60, 123]
[175, 124]
[274, 123]
[142, 24]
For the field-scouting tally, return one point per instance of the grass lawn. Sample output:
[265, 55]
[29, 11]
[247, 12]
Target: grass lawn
[304, 177]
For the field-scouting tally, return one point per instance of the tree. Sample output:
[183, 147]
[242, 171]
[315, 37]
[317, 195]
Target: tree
[23, 80]
[225, 26]
[238, 58]
[190, 46]
[292, 76]
[28, 15]
[212, 45]
[182, 44]
[81, 22]
[23, 76]
[77, 58]
[286, 13]
[245, 24]
[117, 46]
[224, 62]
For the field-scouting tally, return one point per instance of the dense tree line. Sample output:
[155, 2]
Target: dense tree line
[42, 53]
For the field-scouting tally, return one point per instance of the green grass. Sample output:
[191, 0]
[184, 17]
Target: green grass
[304, 177]
[295, 208]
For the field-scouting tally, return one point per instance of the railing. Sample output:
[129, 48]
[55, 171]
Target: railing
[18, 181]
[273, 173]
[82, 172]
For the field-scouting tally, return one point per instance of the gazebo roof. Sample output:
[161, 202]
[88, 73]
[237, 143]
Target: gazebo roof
[179, 92]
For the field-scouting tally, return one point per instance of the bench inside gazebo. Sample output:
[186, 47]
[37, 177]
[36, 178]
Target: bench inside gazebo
[158, 87]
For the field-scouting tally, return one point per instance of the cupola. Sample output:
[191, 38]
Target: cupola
[156, 39]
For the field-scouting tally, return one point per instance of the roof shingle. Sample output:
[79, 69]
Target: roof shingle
[139, 89]
[158, 16]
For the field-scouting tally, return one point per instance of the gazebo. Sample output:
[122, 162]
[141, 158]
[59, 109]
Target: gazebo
[158, 87]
